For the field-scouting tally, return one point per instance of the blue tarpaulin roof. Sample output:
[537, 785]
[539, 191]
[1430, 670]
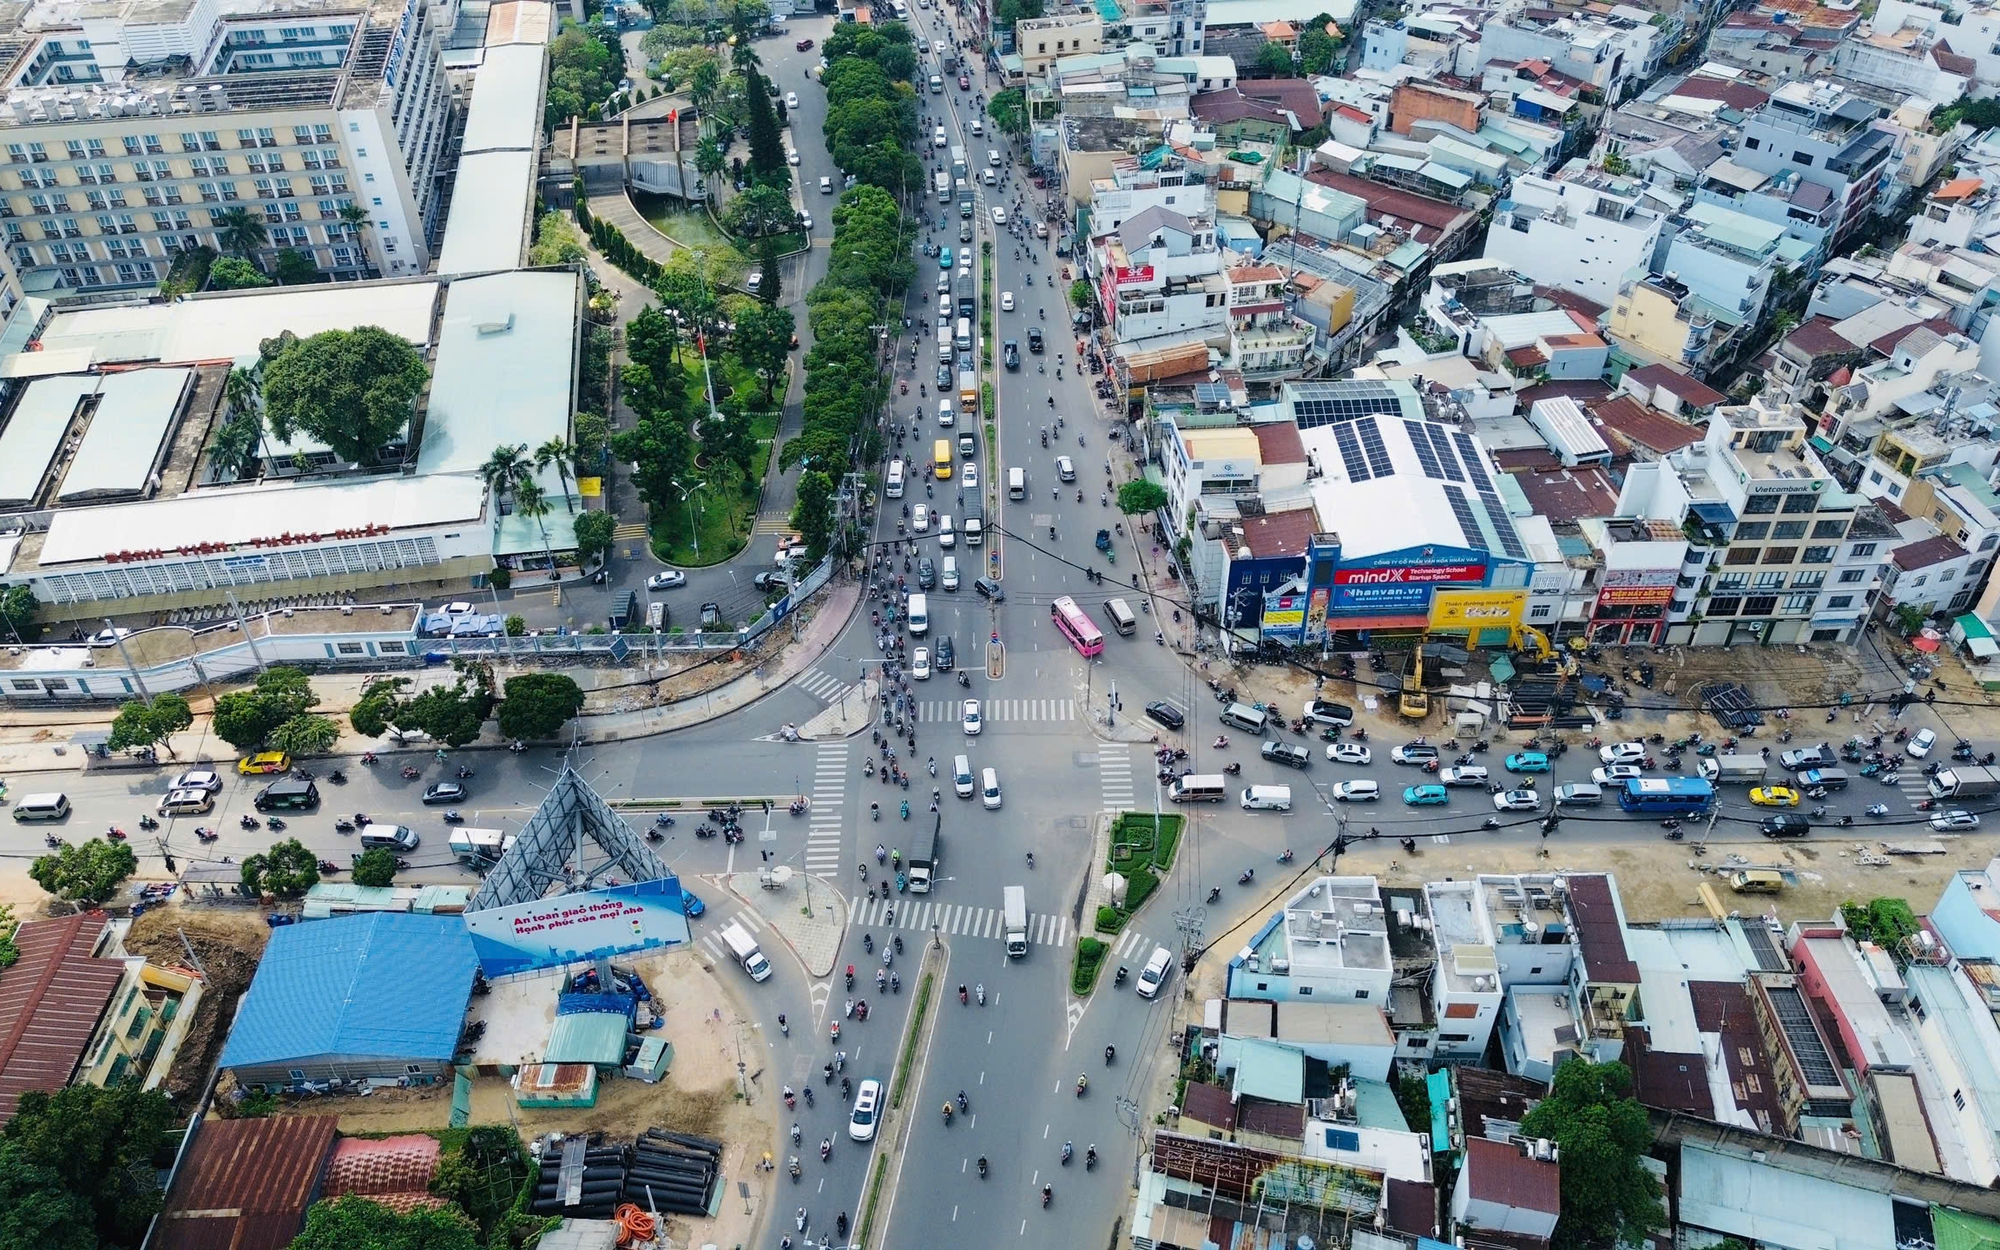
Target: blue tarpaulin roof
[375, 984]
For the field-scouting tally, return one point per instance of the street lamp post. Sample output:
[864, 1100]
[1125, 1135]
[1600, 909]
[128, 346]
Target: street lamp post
[694, 530]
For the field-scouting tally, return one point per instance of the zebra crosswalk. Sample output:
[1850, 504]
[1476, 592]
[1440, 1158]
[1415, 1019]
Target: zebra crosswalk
[823, 685]
[953, 920]
[1114, 779]
[711, 939]
[939, 711]
[1130, 947]
[630, 531]
[829, 800]
[773, 523]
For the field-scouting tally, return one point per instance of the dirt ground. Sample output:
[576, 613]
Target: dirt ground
[228, 945]
[698, 1095]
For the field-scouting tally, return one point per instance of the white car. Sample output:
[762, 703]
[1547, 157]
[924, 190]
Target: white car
[1920, 745]
[1349, 753]
[1957, 818]
[1158, 967]
[978, 127]
[1463, 775]
[791, 99]
[805, 221]
[1517, 801]
[826, 186]
[457, 607]
[1356, 791]
[920, 519]
[1614, 774]
[667, 580]
[937, 137]
[999, 215]
[1006, 301]
[920, 663]
[1622, 752]
[198, 779]
[1065, 468]
[937, 46]
[968, 476]
[792, 157]
[867, 1110]
[969, 720]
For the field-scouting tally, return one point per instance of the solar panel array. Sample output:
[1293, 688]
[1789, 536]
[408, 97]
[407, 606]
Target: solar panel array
[1503, 525]
[1376, 450]
[1434, 453]
[1350, 452]
[1323, 403]
[1796, 1020]
[1460, 508]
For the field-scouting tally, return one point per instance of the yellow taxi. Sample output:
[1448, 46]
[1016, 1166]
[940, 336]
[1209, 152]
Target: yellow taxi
[279, 762]
[1774, 796]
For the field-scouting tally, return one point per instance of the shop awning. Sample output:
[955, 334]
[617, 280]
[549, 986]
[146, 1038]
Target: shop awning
[1978, 637]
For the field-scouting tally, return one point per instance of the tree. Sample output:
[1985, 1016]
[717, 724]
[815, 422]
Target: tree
[238, 230]
[452, 714]
[1274, 60]
[556, 241]
[767, 146]
[763, 343]
[353, 1222]
[308, 733]
[1603, 1132]
[245, 718]
[812, 515]
[531, 501]
[77, 1167]
[353, 219]
[516, 625]
[711, 161]
[233, 273]
[584, 67]
[295, 268]
[505, 469]
[138, 725]
[769, 280]
[353, 390]
[1317, 48]
[88, 872]
[591, 435]
[18, 607]
[538, 705]
[1883, 921]
[653, 339]
[1012, 11]
[558, 454]
[237, 445]
[593, 535]
[375, 868]
[762, 210]
[375, 711]
[1141, 496]
[287, 870]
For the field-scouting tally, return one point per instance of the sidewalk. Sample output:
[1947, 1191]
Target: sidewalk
[809, 914]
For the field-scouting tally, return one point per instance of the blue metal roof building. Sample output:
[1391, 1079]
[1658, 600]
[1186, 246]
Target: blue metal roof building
[376, 997]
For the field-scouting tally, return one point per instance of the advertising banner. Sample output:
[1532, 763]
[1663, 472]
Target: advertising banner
[1399, 585]
[1410, 575]
[571, 928]
[1389, 600]
[1284, 615]
[1622, 595]
[1477, 609]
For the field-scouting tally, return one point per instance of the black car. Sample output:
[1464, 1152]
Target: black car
[944, 659]
[1784, 825]
[444, 792]
[1010, 354]
[1035, 339]
[989, 589]
[1166, 714]
[944, 375]
[711, 615]
[772, 581]
[926, 573]
[1323, 712]
[1290, 754]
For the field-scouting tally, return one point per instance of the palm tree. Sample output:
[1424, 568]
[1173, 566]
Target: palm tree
[705, 86]
[531, 501]
[505, 471]
[711, 161]
[558, 452]
[239, 230]
[744, 55]
[235, 446]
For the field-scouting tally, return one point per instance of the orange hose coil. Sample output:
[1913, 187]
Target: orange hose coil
[636, 1227]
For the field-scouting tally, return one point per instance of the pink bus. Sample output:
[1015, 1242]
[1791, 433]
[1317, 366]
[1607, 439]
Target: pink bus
[1072, 624]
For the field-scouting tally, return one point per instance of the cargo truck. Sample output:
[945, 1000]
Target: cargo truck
[973, 523]
[1014, 920]
[962, 288]
[968, 391]
[964, 198]
[958, 167]
[943, 187]
[479, 849]
[1965, 781]
[1721, 769]
[923, 856]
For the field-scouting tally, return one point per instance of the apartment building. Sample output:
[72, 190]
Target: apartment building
[1656, 318]
[1825, 133]
[1160, 274]
[1726, 258]
[128, 141]
[1781, 553]
[1609, 55]
[1175, 27]
[1040, 41]
[1971, 29]
[1582, 233]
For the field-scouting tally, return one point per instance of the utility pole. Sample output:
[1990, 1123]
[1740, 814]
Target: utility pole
[118, 636]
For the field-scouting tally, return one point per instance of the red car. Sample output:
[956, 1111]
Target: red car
[804, 44]
[964, 83]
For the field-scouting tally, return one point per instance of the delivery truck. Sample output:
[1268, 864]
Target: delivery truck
[1014, 919]
[943, 183]
[923, 856]
[744, 949]
[479, 849]
[968, 391]
[1965, 781]
[1734, 769]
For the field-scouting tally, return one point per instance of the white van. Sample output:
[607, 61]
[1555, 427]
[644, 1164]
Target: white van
[947, 536]
[42, 807]
[1159, 966]
[1243, 716]
[1121, 616]
[1198, 788]
[937, 85]
[944, 342]
[1017, 484]
[961, 776]
[656, 615]
[189, 802]
[989, 789]
[992, 157]
[944, 305]
[920, 615]
[961, 337]
[947, 414]
[948, 574]
[1267, 799]
[894, 487]
[744, 948]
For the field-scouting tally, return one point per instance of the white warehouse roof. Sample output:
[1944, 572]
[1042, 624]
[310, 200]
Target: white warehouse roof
[506, 112]
[135, 412]
[29, 440]
[492, 203]
[230, 326]
[505, 369]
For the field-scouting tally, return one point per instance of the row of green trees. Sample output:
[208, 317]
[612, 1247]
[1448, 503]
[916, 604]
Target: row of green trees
[871, 105]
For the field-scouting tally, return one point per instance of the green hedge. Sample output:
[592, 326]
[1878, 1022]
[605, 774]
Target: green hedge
[1142, 851]
[1089, 959]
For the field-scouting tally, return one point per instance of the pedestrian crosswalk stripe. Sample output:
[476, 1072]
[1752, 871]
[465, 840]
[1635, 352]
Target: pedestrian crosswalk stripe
[937, 711]
[1114, 781]
[628, 531]
[822, 685]
[953, 920]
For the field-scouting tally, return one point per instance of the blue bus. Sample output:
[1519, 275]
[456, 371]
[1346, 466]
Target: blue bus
[1666, 796]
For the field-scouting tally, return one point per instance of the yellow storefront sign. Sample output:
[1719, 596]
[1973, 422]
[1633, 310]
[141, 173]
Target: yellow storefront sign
[1477, 609]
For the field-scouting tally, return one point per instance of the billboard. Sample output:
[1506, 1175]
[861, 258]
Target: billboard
[1478, 609]
[1393, 600]
[1635, 595]
[1284, 615]
[570, 928]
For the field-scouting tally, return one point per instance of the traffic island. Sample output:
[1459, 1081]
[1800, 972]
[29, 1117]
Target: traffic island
[807, 913]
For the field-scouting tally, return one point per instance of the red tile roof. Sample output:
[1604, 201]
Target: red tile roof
[1576, 305]
[1923, 554]
[1427, 219]
[1528, 357]
[1499, 1173]
[1599, 934]
[1295, 94]
[1724, 1007]
[1958, 189]
[1691, 392]
[1352, 114]
[1279, 533]
[1737, 95]
[1668, 1080]
[1818, 338]
[50, 1002]
[386, 1166]
[1569, 494]
[1585, 391]
[1413, 1208]
[246, 1184]
[1278, 442]
[1951, 62]
[1273, 1119]
[1626, 420]
[1232, 105]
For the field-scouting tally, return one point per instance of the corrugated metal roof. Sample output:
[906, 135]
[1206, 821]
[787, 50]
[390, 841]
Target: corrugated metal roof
[593, 1037]
[50, 1003]
[246, 1184]
[380, 984]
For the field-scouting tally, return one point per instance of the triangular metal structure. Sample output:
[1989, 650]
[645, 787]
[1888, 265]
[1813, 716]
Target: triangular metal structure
[549, 854]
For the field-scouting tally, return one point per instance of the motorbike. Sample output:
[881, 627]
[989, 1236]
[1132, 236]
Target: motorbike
[1119, 978]
[1878, 809]
[409, 773]
[1082, 1083]
[1215, 894]
[1245, 878]
[247, 821]
[327, 865]
[277, 823]
[825, 1149]
[147, 822]
[979, 993]
[1090, 1158]
[1067, 1152]
[203, 834]
[337, 777]
[1232, 769]
[343, 825]
[452, 816]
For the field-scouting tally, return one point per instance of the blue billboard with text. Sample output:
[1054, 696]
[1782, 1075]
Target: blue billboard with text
[573, 928]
